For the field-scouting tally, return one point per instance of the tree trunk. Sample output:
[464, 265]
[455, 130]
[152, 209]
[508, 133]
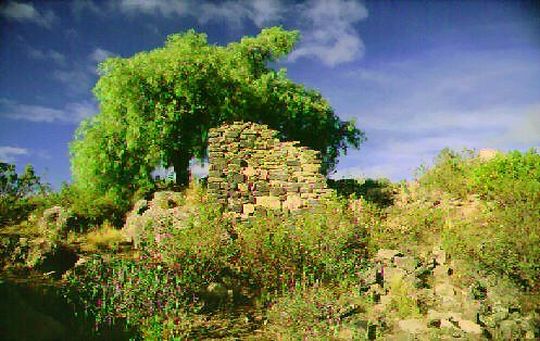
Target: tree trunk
[181, 168]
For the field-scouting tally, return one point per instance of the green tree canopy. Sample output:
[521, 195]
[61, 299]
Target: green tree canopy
[16, 191]
[156, 109]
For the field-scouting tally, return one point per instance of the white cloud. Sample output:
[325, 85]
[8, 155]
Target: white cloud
[99, 55]
[525, 130]
[80, 6]
[413, 108]
[27, 13]
[329, 33]
[72, 112]
[399, 157]
[9, 153]
[82, 76]
[373, 76]
[260, 12]
[71, 34]
[263, 12]
[49, 54]
[234, 12]
[78, 80]
[163, 7]
[327, 26]
[230, 11]
[387, 170]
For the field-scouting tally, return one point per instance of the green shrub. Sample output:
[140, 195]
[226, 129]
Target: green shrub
[506, 237]
[509, 178]
[90, 210]
[247, 261]
[401, 227]
[135, 290]
[451, 173]
[321, 245]
[318, 313]
[105, 237]
[377, 191]
[402, 301]
[20, 194]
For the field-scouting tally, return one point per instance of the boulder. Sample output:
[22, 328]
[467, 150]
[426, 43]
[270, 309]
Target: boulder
[407, 263]
[55, 223]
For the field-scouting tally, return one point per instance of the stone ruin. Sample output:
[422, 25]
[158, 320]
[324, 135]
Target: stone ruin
[252, 170]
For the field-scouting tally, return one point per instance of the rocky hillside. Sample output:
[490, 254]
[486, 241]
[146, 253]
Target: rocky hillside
[452, 255]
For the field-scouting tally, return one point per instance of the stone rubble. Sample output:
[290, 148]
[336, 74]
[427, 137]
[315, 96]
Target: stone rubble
[447, 312]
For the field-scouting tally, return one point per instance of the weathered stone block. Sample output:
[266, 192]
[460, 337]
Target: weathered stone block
[269, 202]
[293, 202]
[249, 171]
[249, 209]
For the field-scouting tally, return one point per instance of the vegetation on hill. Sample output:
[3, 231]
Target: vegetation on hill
[197, 273]
[503, 236]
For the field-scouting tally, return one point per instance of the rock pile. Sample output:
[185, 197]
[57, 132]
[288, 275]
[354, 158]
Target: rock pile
[165, 209]
[416, 299]
[251, 170]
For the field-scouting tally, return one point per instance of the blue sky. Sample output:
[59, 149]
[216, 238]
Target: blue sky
[418, 76]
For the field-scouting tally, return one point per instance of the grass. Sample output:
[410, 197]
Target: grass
[402, 300]
[106, 237]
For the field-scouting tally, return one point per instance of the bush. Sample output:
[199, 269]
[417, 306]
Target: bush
[277, 253]
[377, 191]
[509, 179]
[506, 238]
[105, 237]
[318, 313]
[209, 261]
[451, 173]
[20, 194]
[90, 210]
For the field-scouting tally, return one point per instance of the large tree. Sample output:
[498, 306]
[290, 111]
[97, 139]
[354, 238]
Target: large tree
[156, 108]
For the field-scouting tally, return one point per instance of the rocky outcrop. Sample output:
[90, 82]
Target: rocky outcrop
[56, 222]
[165, 209]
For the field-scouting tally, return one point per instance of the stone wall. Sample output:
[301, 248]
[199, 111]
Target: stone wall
[251, 170]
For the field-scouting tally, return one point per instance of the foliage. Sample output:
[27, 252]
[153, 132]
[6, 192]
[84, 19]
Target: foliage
[276, 254]
[133, 289]
[450, 173]
[157, 108]
[210, 256]
[315, 313]
[402, 301]
[105, 237]
[19, 193]
[90, 210]
[509, 179]
[378, 191]
[505, 236]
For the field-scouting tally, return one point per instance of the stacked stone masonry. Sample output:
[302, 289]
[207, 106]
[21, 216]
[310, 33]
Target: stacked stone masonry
[252, 170]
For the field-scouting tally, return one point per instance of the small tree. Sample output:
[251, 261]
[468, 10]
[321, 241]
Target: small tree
[16, 191]
[156, 109]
